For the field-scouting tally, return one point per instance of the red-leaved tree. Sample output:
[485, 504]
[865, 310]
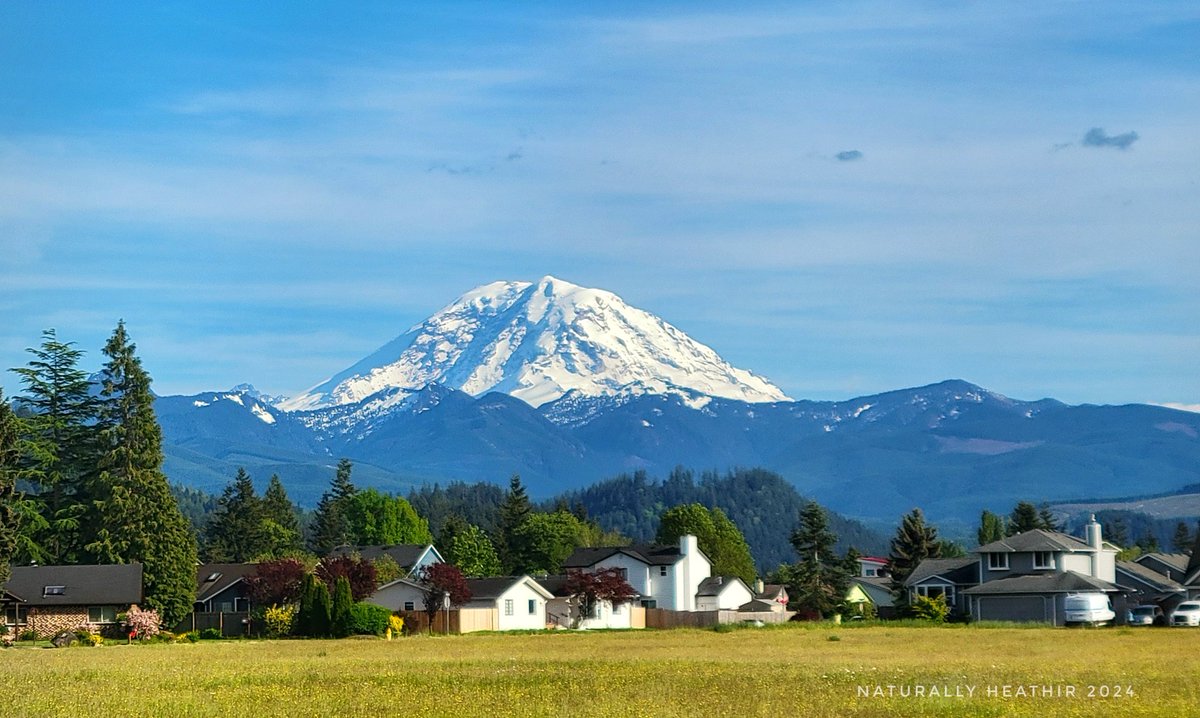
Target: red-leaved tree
[442, 581]
[588, 590]
[276, 582]
[360, 574]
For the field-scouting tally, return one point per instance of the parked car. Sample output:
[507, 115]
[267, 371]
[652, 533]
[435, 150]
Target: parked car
[1146, 615]
[1088, 609]
[1186, 614]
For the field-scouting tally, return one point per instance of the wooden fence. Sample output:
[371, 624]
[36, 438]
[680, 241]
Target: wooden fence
[664, 618]
[459, 620]
[231, 624]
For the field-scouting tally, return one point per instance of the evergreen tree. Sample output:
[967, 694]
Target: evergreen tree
[9, 456]
[341, 622]
[235, 531]
[914, 542]
[452, 526]
[280, 527]
[1046, 518]
[321, 613]
[1024, 518]
[513, 512]
[471, 550]
[818, 581]
[305, 616]
[331, 527]
[60, 446]
[1182, 539]
[991, 528]
[135, 515]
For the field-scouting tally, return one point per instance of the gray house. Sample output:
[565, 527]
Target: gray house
[1025, 577]
[1146, 586]
[410, 557]
[49, 599]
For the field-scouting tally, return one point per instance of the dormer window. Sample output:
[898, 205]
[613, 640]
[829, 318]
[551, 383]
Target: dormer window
[54, 591]
[997, 562]
[1043, 559]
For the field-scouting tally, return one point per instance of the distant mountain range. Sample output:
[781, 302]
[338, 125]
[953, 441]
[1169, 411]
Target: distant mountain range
[566, 386]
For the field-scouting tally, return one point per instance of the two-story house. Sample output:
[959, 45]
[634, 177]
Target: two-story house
[1025, 577]
[664, 576]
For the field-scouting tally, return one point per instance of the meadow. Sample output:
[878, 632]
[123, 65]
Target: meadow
[813, 670]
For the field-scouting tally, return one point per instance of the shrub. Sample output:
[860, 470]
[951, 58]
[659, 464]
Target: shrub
[341, 623]
[142, 624]
[396, 623]
[929, 609]
[190, 636]
[367, 619]
[28, 635]
[209, 634]
[280, 620]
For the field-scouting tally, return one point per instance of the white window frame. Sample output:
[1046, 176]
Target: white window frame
[943, 589]
[1037, 559]
[996, 565]
[508, 607]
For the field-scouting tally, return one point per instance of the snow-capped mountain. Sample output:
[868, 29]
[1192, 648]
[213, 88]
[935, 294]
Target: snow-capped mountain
[538, 342]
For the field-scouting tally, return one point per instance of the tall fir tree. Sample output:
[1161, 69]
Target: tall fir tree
[280, 526]
[59, 445]
[235, 531]
[513, 512]
[331, 525]
[914, 542]
[136, 518]
[819, 580]
[1025, 517]
[991, 528]
[9, 468]
[1181, 540]
[341, 622]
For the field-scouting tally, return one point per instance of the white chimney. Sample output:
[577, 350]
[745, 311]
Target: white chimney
[1095, 540]
[688, 545]
[758, 586]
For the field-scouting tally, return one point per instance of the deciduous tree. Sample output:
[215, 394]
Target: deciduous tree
[445, 586]
[471, 550]
[359, 573]
[377, 519]
[717, 536]
[276, 582]
[991, 528]
[588, 590]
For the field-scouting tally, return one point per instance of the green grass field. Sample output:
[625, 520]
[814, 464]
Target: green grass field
[784, 671]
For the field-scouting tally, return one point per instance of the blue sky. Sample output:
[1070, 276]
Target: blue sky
[844, 197]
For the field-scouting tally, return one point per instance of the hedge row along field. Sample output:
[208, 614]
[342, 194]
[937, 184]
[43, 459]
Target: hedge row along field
[794, 670]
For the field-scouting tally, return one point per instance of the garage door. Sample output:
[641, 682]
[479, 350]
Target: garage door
[1015, 608]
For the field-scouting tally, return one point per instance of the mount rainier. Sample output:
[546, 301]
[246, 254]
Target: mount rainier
[567, 385]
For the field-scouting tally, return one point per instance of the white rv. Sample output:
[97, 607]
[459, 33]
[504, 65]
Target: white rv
[1089, 609]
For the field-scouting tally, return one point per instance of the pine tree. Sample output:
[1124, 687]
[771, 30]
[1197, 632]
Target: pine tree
[280, 527]
[9, 457]
[235, 531]
[60, 445]
[1024, 518]
[818, 581]
[331, 527]
[1182, 539]
[1046, 518]
[991, 528]
[135, 516]
[322, 611]
[341, 622]
[812, 539]
[513, 512]
[914, 542]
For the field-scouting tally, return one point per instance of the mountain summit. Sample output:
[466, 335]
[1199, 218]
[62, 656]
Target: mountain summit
[537, 342]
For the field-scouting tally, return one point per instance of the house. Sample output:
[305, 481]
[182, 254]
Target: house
[1024, 577]
[872, 567]
[562, 610]
[411, 558]
[222, 587]
[1144, 585]
[769, 597]
[722, 593]
[403, 594]
[50, 599]
[1171, 565]
[875, 590]
[665, 576]
[519, 602]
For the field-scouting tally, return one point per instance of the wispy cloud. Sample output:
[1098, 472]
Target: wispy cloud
[1096, 137]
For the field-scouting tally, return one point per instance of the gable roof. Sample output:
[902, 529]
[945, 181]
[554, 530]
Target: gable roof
[406, 555]
[81, 585]
[649, 554]
[489, 589]
[955, 570]
[1135, 573]
[716, 585]
[1175, 561]
[1036, 540]
[878, 589]
[1065, 582]
[213, 578]
[758, 605]
[772, 592]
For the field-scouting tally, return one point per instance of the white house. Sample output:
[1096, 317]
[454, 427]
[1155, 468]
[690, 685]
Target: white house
[722, 593]
[519, 601]
[403, 594]
[665, 576]
[562, 611]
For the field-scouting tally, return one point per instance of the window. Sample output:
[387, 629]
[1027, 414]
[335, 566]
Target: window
[54, 591]
[870, 571]
[16, 615]
[662, 570]
[616, 609]
[241, 604]
[225, 607]
[997, 562]
[508, 607]
[935, 591]
[410, 606]
[649, 603]
[102, 614]
[1043, 559]
[624, 573]
[532, 606]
